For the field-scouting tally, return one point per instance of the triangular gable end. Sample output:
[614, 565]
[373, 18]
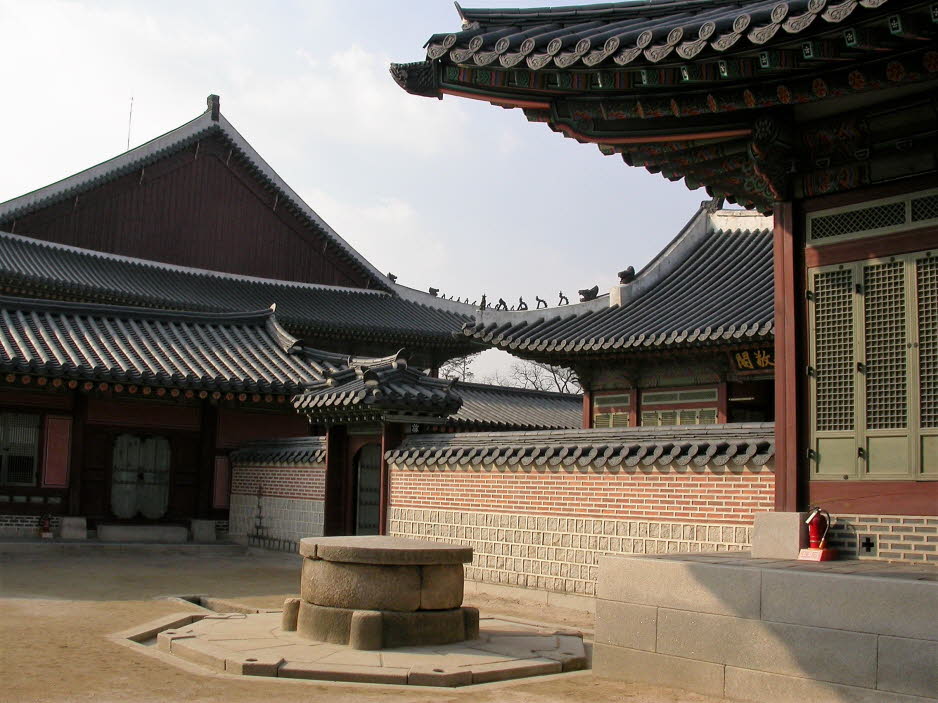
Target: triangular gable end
[197, 196]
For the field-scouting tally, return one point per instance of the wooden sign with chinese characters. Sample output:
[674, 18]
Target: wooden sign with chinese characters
[754, 360]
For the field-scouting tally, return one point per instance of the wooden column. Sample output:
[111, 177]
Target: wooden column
[76, 457]
[334, 510]
[208, 437]
[391, 437]
[723, 409]
[789, 320]
[587, 409]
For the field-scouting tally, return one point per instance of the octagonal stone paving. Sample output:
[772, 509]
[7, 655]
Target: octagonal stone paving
[255, 645]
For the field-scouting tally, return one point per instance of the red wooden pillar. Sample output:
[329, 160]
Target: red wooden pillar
[336, 445]
[587, 409]
[208, 437]
[788, 257]
[391, 436]
[723, 406]
[77, 453]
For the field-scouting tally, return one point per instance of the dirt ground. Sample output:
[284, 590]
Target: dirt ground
[56, 613]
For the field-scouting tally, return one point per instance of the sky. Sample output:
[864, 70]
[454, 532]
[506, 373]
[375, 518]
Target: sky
[455, 194]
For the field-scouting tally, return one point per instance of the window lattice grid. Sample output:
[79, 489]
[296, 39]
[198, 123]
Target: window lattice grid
[925, 208]
[19, 443]
[833, 350]
[862, 220]
[927, 286]
[886, 346]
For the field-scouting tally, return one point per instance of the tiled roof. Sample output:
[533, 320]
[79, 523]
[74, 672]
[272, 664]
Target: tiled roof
[721, 293]
[370, 388]
[633, 33]
[219, 351]
[297, 451]
[693, 446]
[486, 406]
[377, 388]
[32, 267]
[211, 122]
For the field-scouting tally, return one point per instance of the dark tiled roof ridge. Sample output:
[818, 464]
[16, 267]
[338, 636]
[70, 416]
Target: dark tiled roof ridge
[171, 142]
[46, 269]
[290, 451]
[190, 270]
[689, 445]
[513, 389]
[604, 10]
[258, 317]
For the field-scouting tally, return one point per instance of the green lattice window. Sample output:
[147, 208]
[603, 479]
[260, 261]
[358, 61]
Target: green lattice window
[19, 448]
[874, 398]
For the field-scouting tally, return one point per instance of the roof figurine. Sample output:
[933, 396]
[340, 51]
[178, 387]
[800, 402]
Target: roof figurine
[713, 284]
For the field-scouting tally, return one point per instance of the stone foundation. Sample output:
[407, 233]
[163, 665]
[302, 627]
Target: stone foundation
[553, 553]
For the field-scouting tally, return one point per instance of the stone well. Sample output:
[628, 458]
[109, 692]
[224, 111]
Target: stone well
[381, 592]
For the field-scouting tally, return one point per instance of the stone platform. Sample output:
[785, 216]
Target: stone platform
[255, 645]
[770, 630]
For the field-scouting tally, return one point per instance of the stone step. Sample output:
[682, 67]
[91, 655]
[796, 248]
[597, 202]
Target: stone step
[162, 534]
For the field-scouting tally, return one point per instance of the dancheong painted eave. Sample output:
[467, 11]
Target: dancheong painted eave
[712, 92]
[31, 267]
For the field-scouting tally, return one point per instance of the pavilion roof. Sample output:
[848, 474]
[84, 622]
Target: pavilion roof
[47, 270]
[710, 286]
[389, 389]
[239, 352]
[715, 92]
[211, 122]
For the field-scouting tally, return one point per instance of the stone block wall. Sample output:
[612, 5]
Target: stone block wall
[276, 506]
[546, 529]
[757, 631]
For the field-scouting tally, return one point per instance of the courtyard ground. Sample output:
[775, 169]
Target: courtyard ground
[56, 613]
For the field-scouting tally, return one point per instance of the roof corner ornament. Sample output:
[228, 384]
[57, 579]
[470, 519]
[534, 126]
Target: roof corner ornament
[541, 303]
[588, 294]
[434, 291]
[771, 152]
[715, 203]
[417, 78]
[501, 305]
[564, 300]
[392, 277]
[483, 304]
[214, 106]
[627, 276]
[521, 304]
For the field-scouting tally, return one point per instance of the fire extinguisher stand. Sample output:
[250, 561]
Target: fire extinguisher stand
[819, 524]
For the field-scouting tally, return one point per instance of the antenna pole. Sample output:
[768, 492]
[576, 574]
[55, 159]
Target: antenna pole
[130, 120]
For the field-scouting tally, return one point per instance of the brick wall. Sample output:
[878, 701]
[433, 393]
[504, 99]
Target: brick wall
[886, 537]
[23, 525]
[275, 506]
[546, 529]
[702, 495]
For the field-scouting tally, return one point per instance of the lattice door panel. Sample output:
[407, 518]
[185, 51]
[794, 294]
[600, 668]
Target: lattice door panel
[834, 350]
[927, 289]
[886, 346]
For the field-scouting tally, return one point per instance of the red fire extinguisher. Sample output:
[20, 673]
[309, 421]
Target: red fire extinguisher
[819, 522]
